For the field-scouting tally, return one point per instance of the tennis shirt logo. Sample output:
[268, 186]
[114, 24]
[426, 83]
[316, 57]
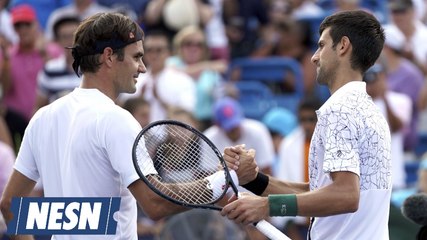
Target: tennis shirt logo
[46, 216]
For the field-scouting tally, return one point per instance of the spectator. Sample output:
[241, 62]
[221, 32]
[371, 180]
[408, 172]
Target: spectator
[403, 77]
[244, 20]
[170, 16]
[232, 128]
[139, 108]
[280, 122]
[163, 87]
[216, 37]
[293, 161]
[43, 8]
[57, 77]
[192, 57]
[21, 64]
[81, 8]
[397, 108]
[404, 19]
[7, 34]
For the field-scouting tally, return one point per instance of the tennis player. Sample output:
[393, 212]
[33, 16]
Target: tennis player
[349, 187]
[81, 144]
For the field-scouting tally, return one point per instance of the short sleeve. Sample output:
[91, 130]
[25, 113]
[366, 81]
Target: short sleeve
[25, 161]
[121, 131]
[341, 143]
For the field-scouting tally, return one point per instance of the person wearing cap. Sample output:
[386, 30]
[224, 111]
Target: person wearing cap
[21, 64]
[350, 178]
[403, 76]
[397, 108]
[280, 122]
[80, 145]
[232, 128]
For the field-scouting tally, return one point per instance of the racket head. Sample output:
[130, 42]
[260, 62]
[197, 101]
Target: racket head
[174, 158]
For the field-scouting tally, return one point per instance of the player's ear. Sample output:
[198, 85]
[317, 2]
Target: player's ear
[107, 56]
[344, 45]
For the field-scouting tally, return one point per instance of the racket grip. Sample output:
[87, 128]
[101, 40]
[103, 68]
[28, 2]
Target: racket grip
[270, 231]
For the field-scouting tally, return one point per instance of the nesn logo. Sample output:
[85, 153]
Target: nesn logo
[46, 216]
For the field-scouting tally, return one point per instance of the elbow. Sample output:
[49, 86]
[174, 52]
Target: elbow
[155, 213]
[352, 203]
[5, 205]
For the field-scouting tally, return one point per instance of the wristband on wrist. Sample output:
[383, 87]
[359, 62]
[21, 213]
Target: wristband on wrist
[283, 204]
[258, 185]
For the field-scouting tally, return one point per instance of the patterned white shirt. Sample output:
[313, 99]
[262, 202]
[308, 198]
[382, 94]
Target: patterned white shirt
[352, 135]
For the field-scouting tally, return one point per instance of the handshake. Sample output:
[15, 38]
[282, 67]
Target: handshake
[242, 161]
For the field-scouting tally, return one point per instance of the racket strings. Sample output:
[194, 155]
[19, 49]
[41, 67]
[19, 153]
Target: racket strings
[179, 156]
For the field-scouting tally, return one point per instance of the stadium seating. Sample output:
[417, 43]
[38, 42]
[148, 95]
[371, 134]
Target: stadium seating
[255, 81]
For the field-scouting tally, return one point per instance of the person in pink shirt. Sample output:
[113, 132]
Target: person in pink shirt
[22, 62]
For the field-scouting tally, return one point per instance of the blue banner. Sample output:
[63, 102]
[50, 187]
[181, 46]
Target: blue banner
[48, 216]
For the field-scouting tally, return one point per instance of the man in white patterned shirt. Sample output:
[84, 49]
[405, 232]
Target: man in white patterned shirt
[349, 187]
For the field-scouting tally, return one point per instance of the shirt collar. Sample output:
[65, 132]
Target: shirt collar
[346, 89]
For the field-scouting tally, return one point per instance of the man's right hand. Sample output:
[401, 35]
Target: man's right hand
[243, 162]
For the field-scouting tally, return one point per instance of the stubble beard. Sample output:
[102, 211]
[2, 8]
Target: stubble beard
[326, 76]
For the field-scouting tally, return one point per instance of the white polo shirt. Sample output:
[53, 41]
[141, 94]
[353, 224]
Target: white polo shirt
[352, 135]
[81, 146]
[254, 135]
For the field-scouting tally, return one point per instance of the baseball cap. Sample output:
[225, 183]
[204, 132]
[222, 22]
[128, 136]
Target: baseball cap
[280, 120]
[23, 13]
[400, 5]
[372, 72]
[394, 38]
[228, 113]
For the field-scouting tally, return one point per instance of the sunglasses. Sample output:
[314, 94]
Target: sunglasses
[22, 24]
[307, 119]
[156, 50]
[198, 44]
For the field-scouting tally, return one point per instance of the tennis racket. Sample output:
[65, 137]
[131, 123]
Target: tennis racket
[186, 168]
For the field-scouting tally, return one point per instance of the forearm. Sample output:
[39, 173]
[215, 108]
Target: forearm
[395, 123]
[205, 12]
[326, 202]
[276, 186]
[5, 80]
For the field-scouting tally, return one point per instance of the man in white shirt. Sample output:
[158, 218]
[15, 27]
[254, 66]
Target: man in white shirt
[163, 87]
[80, 145]
[349, 186]
[232, 128]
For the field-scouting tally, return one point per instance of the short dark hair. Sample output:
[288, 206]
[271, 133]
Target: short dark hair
[364, 31]
[99, 31]
[73, 19]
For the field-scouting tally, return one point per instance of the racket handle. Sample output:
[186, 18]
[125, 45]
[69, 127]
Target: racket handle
[270, 231]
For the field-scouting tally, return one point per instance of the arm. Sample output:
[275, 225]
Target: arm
[341, 196]
[243, 162]
[18, 186]
[153, 12]
[154, 206]
[5, 79]
[205, 12]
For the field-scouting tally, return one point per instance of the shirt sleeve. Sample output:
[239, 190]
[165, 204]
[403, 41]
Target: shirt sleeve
[25, 161]
[341, 143]
[121, 132]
